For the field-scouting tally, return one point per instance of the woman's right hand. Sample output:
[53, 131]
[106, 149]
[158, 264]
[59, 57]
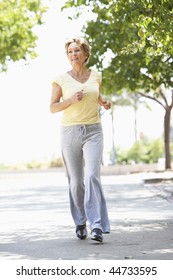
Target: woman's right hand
[77, 96]
[56, 105]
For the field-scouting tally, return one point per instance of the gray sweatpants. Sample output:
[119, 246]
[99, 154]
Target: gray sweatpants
[82, 148]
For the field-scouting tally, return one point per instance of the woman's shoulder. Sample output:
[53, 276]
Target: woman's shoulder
[59, 78]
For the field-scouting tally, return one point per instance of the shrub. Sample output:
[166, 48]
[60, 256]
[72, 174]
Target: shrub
[146, 151]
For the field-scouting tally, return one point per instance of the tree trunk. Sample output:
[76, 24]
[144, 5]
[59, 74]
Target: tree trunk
[167, 118]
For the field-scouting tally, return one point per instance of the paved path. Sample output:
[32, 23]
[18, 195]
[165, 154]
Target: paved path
[35, 222]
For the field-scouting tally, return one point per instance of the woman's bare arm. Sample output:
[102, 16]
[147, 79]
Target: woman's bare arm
[56, 105]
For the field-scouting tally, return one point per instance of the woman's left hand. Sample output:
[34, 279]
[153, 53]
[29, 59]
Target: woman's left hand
[105, 103]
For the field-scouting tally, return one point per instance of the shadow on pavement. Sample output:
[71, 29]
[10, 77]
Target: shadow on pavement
[134, 240]
[36, 221]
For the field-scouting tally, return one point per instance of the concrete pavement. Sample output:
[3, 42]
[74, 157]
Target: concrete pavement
[35, 221]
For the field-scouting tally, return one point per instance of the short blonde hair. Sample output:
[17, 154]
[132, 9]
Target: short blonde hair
[83, 43]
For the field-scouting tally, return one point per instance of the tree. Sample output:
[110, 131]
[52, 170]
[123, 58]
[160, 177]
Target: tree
[138, 36]
[17, 20]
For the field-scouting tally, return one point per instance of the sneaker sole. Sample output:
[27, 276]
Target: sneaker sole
[98, 239]
[81, 237]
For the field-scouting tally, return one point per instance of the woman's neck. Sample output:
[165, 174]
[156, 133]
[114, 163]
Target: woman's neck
[79, 71]
[81, 75]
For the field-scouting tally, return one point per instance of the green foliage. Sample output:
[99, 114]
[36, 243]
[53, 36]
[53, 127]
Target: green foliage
[34, 164]
[138, 152]
[142, 151]
[56, 162]
[17, 38]
[155, 150]
[139, 35]
[121, 156]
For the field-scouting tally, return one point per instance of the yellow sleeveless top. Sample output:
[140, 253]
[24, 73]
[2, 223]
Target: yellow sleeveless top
[85, 111]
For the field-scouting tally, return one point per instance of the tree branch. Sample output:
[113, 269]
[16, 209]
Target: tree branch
[164, 98]
[152, 98]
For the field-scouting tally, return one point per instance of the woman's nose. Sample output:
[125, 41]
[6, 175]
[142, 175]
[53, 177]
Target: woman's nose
[74, 52]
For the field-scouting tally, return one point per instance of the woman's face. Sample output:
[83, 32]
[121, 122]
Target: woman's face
[75, 55]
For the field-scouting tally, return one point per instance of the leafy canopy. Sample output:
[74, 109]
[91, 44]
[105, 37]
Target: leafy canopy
[138, 37]
[17, 20]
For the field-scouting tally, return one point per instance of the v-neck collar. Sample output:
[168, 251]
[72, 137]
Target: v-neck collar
[79, 81]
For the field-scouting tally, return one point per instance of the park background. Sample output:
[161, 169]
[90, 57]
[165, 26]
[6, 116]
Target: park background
[28, 131]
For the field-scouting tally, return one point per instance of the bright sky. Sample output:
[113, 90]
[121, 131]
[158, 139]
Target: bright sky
[27, 128]
[28, 131]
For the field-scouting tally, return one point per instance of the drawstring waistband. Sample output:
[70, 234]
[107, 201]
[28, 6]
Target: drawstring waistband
[82, 130]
